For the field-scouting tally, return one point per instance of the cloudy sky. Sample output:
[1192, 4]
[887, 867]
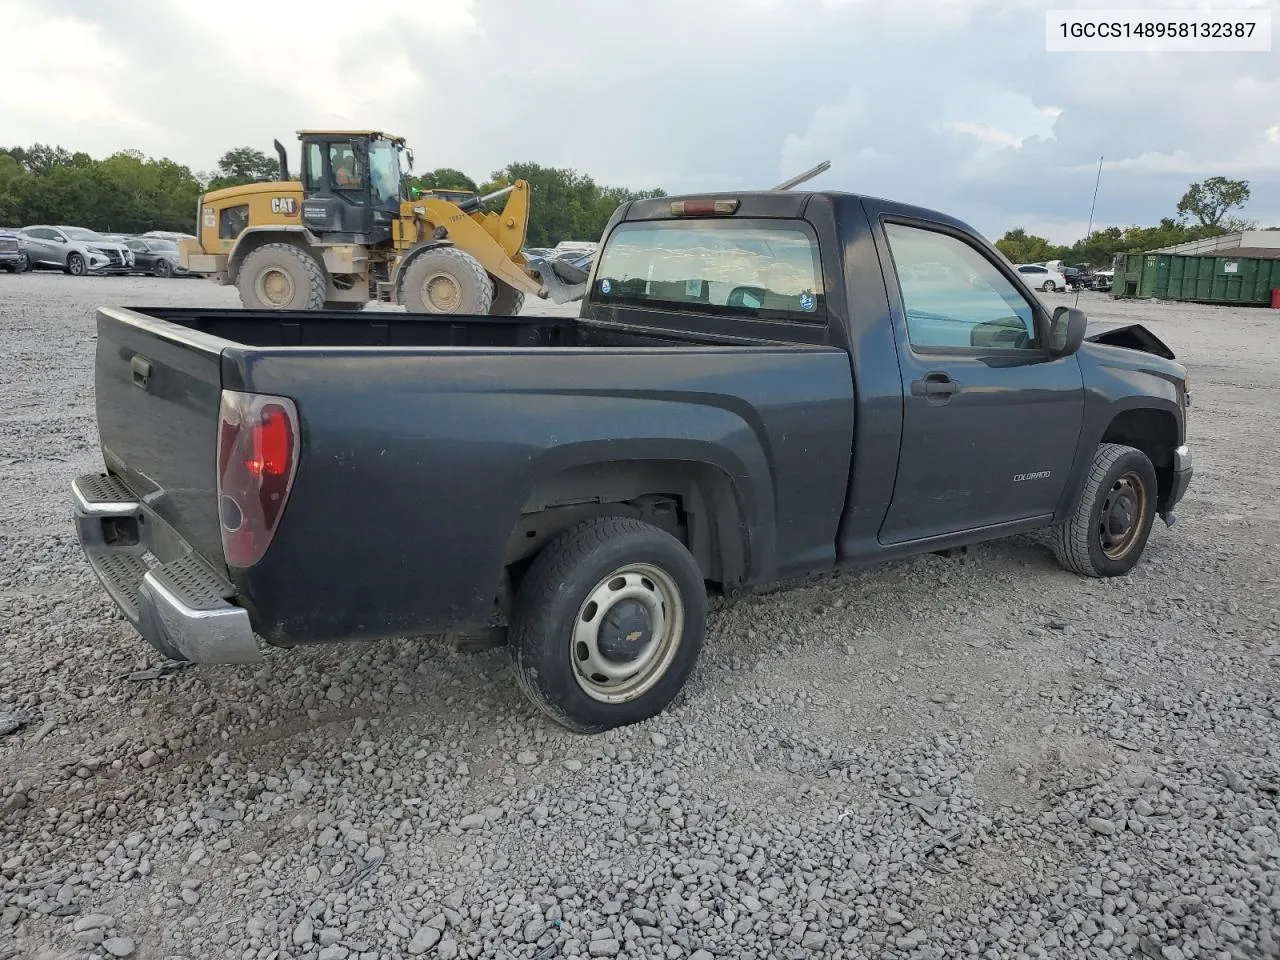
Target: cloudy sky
[947, 103]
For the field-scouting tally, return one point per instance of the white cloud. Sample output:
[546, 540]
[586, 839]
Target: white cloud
[946, 103]
[54, 88]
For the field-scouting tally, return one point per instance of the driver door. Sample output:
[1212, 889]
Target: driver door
[990, 418]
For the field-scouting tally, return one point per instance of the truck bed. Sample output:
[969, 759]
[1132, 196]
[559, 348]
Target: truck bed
[423, 441]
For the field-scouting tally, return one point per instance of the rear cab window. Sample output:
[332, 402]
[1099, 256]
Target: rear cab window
[752, 269]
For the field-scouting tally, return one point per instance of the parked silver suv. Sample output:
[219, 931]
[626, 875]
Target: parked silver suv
[75, 250]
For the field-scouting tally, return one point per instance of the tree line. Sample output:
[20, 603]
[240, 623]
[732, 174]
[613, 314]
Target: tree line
[1204, 211]
[131, 193]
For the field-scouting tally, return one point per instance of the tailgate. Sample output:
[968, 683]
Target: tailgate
[158, 388]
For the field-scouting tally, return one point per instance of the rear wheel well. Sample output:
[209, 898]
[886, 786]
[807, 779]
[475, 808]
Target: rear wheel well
[261, 238]
[1155, 433]
[694, 502]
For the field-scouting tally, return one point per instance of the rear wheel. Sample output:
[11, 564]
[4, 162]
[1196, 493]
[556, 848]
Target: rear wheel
[507, 300]
[1048, 286]
[1106, 532]
[76, 265]
[446, 280]
[280, 276]
[608, 624]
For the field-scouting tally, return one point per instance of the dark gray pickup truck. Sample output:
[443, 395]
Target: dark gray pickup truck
[757, 387]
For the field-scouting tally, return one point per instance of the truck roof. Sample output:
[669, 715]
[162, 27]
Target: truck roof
[784, 204]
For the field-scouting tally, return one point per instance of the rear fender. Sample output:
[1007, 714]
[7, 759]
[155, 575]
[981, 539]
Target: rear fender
[255, 237]
[719, 520]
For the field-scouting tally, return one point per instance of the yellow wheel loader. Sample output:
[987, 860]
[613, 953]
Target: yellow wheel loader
[347, 233]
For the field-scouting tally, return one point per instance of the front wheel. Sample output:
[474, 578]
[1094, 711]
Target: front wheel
[76, 265]
[163, 269]
[608, 624]
[1106, 532]
[446, 280]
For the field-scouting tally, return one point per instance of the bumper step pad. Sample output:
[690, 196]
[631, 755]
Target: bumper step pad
[183, 607]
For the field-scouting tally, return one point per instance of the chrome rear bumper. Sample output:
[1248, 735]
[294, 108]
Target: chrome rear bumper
[179, 604]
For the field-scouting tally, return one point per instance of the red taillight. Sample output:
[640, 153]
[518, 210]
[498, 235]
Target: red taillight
[257, 460]
[703, 208]
[272, 443]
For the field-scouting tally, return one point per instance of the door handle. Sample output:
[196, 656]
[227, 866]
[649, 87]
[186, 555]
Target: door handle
[935, 386]
[141, 370]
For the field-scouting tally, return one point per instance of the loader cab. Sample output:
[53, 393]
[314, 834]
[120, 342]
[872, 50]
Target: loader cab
[352, 184]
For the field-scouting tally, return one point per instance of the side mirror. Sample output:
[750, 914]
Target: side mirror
[1066, 331]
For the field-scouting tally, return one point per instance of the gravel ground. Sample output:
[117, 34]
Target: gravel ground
[983, 756]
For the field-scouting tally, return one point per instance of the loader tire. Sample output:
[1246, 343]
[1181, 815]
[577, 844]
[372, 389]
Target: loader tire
[280, 276]
[446, 280]
[507, 300]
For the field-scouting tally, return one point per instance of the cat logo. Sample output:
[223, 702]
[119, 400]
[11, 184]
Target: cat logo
[287, 206]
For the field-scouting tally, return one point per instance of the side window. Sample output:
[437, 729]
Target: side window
[954, 296]
[315, 168]
[40, 233]
[137, 246]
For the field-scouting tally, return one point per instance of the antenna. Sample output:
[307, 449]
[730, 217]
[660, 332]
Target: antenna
[802, 177]
[1094, 206]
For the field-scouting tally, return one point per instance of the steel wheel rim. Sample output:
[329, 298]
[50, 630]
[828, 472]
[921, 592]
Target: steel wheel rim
[275, 286]
[441, 291]
[1121, 517]
[601, 673]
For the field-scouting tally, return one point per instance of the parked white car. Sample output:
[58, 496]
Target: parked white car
[1042, 278]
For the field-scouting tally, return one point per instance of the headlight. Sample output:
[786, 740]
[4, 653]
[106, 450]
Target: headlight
[22, 243]
[98, 250]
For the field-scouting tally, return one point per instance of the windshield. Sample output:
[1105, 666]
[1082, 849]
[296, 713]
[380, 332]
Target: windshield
[384, 173]
[79, 233]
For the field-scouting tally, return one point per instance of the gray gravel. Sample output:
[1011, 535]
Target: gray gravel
[982, 757]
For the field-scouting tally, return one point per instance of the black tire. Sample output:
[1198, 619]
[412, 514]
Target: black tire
[346, 305]
[507, 300]
[1048, 287]
[584, 560]
[162, 269]
[1090, 540]
[76, 265]
[446, 280]
[21, 265]
[292, 273]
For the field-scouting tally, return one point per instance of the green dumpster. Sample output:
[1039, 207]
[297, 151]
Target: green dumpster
[1241, 281]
